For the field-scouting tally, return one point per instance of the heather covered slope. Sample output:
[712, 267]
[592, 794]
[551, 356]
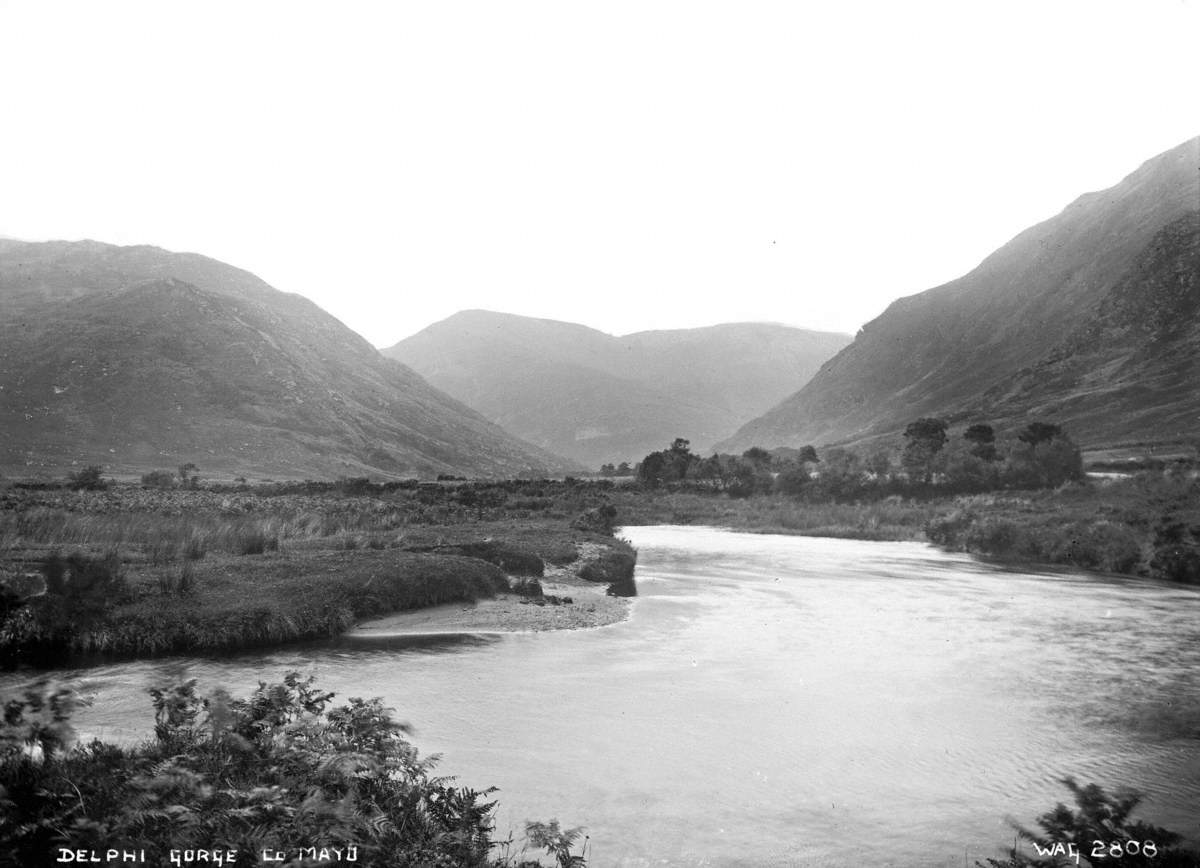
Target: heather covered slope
[1131, 371]
[137, 358]
[1006, 339]
[597, 398]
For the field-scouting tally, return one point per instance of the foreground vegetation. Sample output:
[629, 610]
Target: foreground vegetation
[283, 773]
[1099, 829]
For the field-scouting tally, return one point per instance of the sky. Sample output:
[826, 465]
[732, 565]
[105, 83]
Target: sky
[625, 165]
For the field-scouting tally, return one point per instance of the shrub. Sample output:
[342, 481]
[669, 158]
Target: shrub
[1177, 562]
[1102, 545]
[283, 769]
[1099, 828]
[600, 519]
[557, 842]
[950, 530]
[85, 578]
[88, 479]
[998, 537]
[158, 479]
[528, 588]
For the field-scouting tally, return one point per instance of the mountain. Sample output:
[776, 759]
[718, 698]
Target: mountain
[137, 358]
[1087, 319]
[596, 398]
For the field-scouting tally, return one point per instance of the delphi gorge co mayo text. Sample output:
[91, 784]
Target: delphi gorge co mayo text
[212, 857]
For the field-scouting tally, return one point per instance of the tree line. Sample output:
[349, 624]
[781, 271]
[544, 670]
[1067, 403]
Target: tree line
[930, 460]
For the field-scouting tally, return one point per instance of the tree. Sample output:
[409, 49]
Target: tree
[1036, 433]
[670, 465]
[961, 469]
[1047, 458]
[879, 464]
[926, 437]
[652, 470]
[841, 474]
[983, 441]
[792, 479]
[808, 454]
[757, 456]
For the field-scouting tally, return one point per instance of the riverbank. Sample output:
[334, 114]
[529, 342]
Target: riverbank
[569, 603]
[130, 573]
[1147, 524]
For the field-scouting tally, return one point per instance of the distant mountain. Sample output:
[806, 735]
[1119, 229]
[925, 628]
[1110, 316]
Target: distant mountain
[597, 398]
[136, 358]
[1088, 319]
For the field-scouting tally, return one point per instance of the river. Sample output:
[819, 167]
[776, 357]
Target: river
[783, 700]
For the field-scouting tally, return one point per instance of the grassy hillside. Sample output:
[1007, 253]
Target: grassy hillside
[996, 331]
[136, 358]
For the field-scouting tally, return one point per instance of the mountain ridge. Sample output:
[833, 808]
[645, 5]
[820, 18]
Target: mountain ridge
[136, 358]
[602, 398]
[936, 352]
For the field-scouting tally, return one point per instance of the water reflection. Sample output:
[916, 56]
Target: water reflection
[432, 643]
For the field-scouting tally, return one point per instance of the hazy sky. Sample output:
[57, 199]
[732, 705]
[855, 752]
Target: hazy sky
[625, 165]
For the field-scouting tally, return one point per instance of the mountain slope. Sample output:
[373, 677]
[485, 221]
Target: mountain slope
[1132, 369]
[954, 351]
[136, 358]
[597, 398]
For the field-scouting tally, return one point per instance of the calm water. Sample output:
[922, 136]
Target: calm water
[787, 700]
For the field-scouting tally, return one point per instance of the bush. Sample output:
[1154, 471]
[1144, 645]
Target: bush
[1178, 562]
[950, 531]
[1102, 545]
[88, 479]
[283, 769]
[531, 588]
[158, 479]
[83, 577]
[600, 520]
[998, 537]
[1101, 824]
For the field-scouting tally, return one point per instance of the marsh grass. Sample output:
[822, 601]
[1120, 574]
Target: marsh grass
[210, 573]
[228, 602]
